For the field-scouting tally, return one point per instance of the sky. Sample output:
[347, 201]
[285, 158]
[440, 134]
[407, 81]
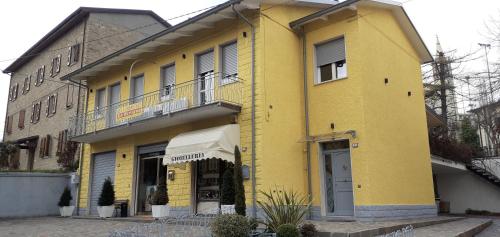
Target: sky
[459, 24]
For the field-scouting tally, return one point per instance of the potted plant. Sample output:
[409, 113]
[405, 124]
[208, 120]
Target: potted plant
[159, 202]
[106, 201]
[239, 188]
[227, 192]
[230, 225]
[65, 207]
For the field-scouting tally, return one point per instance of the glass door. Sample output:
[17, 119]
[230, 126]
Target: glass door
[151, 170]
[208, 181]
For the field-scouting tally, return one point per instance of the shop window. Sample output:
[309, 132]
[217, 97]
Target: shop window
[27, 84]
[331, 61]
[22, 115]
[229, 63]
[55, 66]
[168, 81]
[51, 105]
[73, 54]
[40, 76]
[35, 112]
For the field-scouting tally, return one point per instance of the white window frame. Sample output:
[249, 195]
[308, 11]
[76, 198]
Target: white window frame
[317, 70]
[97, 110]
[51, 105]
[163, 87]
[132, 96]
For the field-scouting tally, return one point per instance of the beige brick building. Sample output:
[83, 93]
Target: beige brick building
[40, 104]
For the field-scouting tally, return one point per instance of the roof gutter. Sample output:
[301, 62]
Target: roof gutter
[254, 184]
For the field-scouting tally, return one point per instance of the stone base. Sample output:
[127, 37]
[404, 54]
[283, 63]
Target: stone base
[392, 212]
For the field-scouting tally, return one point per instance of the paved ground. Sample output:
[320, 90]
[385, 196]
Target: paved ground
[59, 227]
[451, 229]
[493, 230]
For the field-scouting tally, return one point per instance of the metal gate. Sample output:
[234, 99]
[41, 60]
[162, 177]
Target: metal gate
[103, 167]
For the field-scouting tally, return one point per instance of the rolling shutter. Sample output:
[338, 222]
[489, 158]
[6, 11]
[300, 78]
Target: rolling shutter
[22, 115]
[229, 60]
[103, 167]
[330, 52]
[206, 62]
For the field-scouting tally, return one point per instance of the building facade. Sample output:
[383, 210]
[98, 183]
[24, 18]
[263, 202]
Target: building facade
[40, 104]
[322, 98]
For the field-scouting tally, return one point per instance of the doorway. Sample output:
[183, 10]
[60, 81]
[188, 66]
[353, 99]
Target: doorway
[151, 169]
[337, 178]
[208, 178]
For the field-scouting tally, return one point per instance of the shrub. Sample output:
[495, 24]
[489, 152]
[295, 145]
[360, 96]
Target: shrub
[308, 230]
[7, 159]
[107, 197]
[227, 187]
[253, 223]
[283, 207]
[239, 197]
[287, 230]
[160, 197]
[66, 198]
[230, 225]
[66, 158]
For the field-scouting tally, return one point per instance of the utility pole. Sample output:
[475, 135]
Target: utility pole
[486, 47]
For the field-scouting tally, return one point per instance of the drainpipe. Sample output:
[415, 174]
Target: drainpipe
[254, 191]
[306, 118]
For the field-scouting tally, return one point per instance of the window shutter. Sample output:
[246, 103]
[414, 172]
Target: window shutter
[330, 52]
[29, 83]
[48, 106]
[76, 53]
[229, 60]
[22, 114]
[59, 143]
[47, 145]
[54, 104]
[70, 49]
[58, 68]
[206, 62]
[69, 96]
[42, 147]
[9, 124]
[42, 74]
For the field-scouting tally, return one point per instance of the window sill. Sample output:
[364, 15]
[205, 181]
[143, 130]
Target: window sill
[329, 81]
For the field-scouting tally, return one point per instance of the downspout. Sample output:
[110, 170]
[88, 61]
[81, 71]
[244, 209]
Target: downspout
[306, 118]
[254, 185]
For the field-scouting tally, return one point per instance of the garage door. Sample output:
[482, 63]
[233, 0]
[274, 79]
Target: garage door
[104, 166]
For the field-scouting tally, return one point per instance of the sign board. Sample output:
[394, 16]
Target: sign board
[129, 112]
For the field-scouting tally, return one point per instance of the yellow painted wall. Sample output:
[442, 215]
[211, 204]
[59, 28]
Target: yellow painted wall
[391, 166]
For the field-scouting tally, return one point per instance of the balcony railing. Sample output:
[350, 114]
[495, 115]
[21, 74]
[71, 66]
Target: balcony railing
[206, 90]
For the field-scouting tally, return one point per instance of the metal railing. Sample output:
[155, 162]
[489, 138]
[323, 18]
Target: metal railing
[207, 89]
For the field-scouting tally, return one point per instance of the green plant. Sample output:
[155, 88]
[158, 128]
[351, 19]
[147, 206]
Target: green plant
[7, 150]
[160, 197]
[239, 197]
[227, 187]
[283, 207]
[230, 225]
[107, 197]
[66, 158]
[308, 230]
[66, 198]
[287, 230]
[254, 223]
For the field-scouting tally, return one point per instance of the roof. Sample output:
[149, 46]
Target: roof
[398, 10]
[185, 28]
[67, 24]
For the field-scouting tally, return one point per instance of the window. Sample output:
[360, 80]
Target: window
[62, 139]
[35, 112]
[40, 76]
[51, 105]
[55, 66]
[20, 123]
[13, 92]
[27, 84]
[8, 124]
[229, 63]
[73, 54]
[331, 61]
[100, 103]
[45, 146]
[69, 96]
[167, 81]
[137, 89]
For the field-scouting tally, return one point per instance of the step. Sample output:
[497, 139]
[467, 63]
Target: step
[361, 229]
[462, 228]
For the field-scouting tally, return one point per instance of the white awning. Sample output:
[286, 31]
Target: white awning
[216, 142]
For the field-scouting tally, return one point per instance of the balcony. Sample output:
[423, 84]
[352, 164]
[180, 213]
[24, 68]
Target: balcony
[206, 97]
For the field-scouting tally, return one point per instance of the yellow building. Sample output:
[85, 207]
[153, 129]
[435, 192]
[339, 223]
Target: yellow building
[323, 98]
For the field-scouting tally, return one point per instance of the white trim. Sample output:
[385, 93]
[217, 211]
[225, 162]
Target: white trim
[316, 74]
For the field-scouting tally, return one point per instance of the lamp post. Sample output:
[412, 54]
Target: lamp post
[486, 47]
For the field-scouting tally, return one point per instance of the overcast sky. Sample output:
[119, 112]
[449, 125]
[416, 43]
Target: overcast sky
[459, 24]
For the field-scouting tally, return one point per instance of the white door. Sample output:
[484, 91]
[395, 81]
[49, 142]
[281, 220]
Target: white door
[103, 167]
[205, 79]
[338, 182]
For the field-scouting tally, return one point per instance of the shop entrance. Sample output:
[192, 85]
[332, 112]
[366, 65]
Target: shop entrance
[151, 169]
[208, 175]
